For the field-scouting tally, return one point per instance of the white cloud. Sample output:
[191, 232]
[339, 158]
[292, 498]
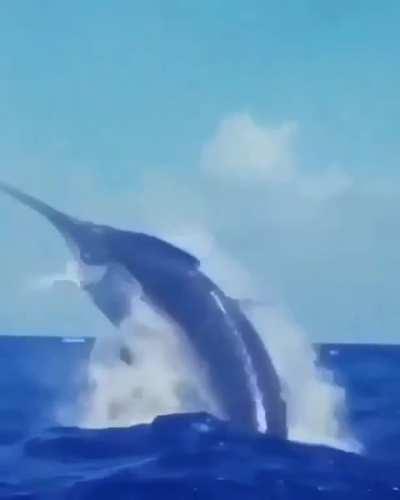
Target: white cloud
[243, 149]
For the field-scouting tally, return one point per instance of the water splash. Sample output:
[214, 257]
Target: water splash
[316, 404]
[163, 377]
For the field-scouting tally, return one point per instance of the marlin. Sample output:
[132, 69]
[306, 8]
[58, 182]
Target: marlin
[120, 264]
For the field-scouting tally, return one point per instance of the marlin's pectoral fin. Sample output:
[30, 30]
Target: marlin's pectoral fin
[115, 293]
[125, 354]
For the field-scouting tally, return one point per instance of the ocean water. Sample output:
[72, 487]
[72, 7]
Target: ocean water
[188, 456]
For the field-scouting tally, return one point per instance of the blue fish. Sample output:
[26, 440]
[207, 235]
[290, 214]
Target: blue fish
[117, 265]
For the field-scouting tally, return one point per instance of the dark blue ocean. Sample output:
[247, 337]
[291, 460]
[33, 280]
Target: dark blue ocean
[193, 456]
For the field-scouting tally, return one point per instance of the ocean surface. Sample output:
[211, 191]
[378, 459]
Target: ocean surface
[188, 456]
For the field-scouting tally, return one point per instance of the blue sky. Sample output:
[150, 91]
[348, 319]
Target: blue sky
[273, 126]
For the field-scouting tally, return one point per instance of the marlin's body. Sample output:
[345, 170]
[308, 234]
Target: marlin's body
[119, 264]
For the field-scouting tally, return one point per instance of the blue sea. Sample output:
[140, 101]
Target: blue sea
[188, 456]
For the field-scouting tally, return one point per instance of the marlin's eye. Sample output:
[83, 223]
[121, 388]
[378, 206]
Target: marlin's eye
[86, 257]
[96, 257]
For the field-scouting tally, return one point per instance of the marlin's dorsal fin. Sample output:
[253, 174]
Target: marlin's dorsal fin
[169, 250]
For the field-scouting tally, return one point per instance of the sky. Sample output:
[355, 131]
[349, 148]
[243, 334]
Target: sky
[268, 127]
